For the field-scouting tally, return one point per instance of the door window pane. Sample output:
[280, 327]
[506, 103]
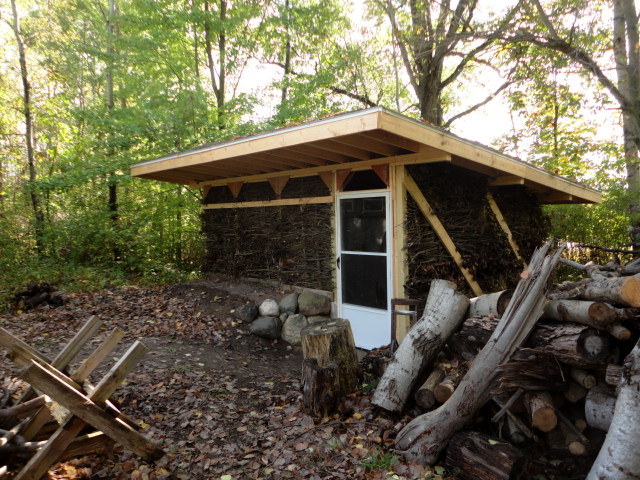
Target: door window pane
[363, 224]
[364, 280]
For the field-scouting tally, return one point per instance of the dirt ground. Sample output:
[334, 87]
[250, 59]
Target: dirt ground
[222, 403]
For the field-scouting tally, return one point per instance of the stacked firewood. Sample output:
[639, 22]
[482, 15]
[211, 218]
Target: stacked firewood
[36, 294]
[548, 363]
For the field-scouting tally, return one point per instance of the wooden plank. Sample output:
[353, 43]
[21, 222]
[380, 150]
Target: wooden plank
[21, 352]
[398, 219]
[305, 157]
[408, 159]
[270, 203]
[505, 228]
[94, 442]
[329, 180]
[370, 144]
[85, 412]
[71, 349]
[506, 180]
[343, 149]
[97, 356]
[437, 226]
[482, 156]
[323, 153]
[287, 137]
[555, 198]
[278, 184]
[383, 172]
[234, 188]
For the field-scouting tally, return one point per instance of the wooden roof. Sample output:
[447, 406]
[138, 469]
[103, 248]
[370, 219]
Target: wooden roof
[356, 140]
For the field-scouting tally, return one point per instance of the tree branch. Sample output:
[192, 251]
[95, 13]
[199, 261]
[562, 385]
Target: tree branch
[473, 108]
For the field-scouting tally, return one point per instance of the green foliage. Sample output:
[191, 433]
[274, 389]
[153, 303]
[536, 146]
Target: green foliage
[379, 460]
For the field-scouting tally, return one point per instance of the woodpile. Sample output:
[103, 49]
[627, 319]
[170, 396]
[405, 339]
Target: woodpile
[554, 370]
[36, 294]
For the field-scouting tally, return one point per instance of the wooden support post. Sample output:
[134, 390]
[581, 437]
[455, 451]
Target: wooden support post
[505, 228]
[438, 227]
[399, 253]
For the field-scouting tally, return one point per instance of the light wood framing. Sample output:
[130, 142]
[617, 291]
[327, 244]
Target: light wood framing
[505, 228]
[398, 219]
[438, 227]
[355, 140]
[270, 203]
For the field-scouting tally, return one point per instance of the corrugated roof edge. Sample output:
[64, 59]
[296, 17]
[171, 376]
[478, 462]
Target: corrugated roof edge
[341, 116]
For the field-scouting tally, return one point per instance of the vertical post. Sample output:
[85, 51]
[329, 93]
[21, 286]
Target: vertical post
[399, 253]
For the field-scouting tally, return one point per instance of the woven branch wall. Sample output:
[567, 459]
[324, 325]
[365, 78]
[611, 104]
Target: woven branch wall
[292, 244]
[458, 198]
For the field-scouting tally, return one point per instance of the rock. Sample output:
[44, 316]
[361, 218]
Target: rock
[246, 313]
[289, 304]
[267, 327]
[283, 317]
[310, 304]
[269, 308]
[291, 328]
[318, 319]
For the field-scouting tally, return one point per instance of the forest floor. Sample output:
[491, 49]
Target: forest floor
[222, 403]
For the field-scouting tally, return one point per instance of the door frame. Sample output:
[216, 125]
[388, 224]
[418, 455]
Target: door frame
[386, 193]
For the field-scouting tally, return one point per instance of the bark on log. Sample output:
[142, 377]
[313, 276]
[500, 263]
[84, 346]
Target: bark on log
[424, 437]
[613, 374]
[584, 378]
[321, 393]
[490, 304]
[598, 407]
[480, 457]
[619, 457]
[541, 411]
[624, 291]
[332, 342]
[444, 311]
[593, 314]
[577, 345]
[424, 396]
[575, 392]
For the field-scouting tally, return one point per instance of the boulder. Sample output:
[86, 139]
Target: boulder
[267, 327]
[269, 308]
[292, 327]
[318, 319]
[246, 313]
[289, 304]
[310, 304]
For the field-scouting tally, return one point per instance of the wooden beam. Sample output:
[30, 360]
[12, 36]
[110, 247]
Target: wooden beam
[73, 347]
[205, 191]
[278, 184]
[506, 180]
[383, 172]
[270, 203]
[329, 180]
[19, 351]
[234, 188]
[437, 226]
[408, 159]
[555, 198]
[97, 356]
[399, 253]
[505, 228]
[343, 149]
[370, 144]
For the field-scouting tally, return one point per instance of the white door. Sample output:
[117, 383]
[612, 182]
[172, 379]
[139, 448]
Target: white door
[364, 274]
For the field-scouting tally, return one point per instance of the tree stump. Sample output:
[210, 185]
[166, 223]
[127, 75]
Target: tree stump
[320, 388]
[332, 343]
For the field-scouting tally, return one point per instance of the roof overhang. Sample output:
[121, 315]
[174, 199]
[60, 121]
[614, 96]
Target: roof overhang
[355, 140]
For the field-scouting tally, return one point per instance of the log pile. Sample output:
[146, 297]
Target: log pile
[36, 294]
[553, 372]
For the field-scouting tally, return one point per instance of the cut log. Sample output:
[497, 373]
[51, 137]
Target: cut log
[424, 396]
[332, 342]
[443, 313]
[321, 394]
[619, 331]
[599, 406]
[479, 457]
[577, 345]
[490, 304]
[446, 387]
[619, 457]
[583, 378]
[541, 411]
[624, 291]
[425, 436]
[613, 374]
[575, 392]
[593, 314]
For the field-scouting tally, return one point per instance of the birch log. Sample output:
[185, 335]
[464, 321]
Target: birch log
[593, 314]
[619, 457]
[599, 407]
[618, 290]
[424, 437]
[444, 311]
[490, 304]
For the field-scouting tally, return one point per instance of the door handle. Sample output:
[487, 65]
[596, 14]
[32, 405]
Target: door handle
[338, 263]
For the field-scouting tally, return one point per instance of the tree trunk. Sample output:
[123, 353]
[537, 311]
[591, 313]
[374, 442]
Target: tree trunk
[330, 343]
[425, 436]
[619, 457]
[321, 393]
[479, 457]
[593, 314]
[444, 311]
[617, 290]
[490, 304]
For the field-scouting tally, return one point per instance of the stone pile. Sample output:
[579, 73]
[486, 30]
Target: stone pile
[286, 318]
